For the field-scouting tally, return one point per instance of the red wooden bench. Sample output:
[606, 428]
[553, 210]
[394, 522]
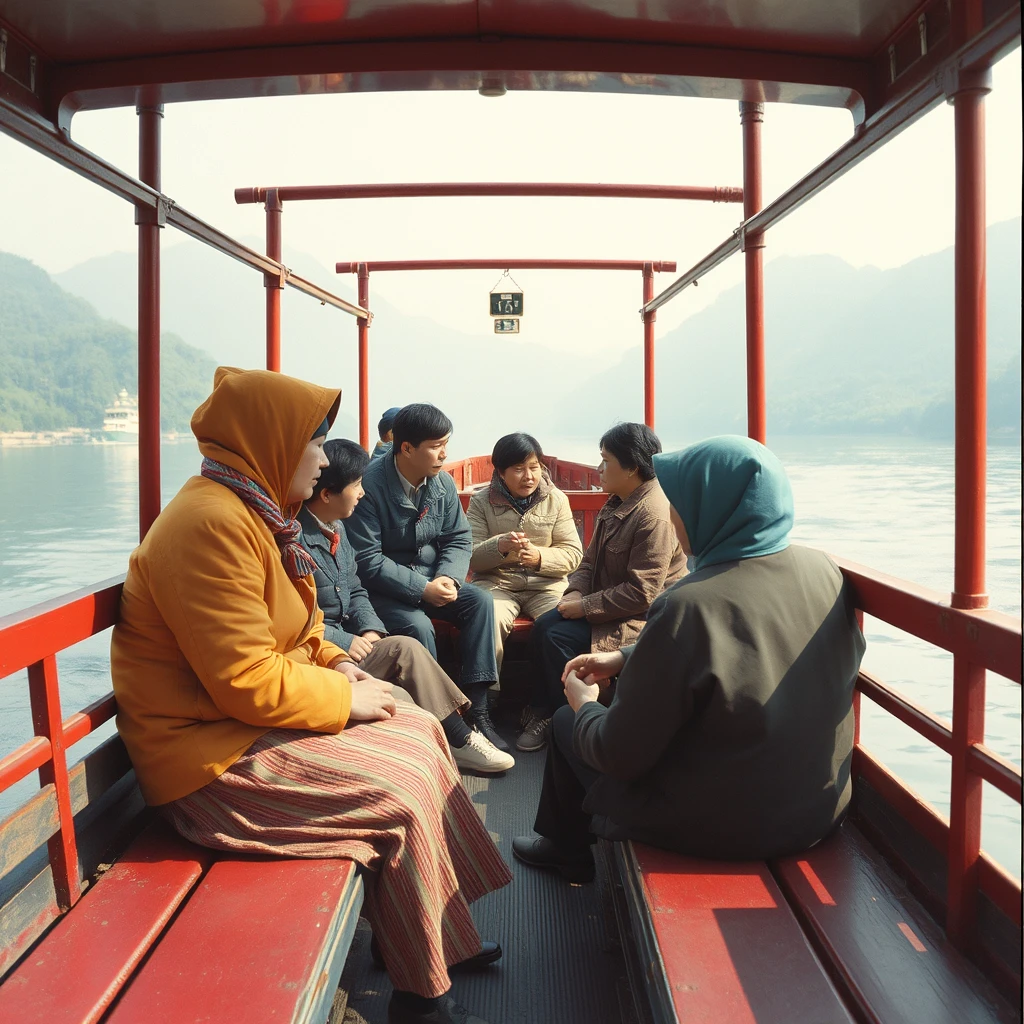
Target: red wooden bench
[829, 936]
[176, 933]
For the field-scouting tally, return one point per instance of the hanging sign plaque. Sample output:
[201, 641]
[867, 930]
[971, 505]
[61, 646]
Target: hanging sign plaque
[506, 326]
[506, 304]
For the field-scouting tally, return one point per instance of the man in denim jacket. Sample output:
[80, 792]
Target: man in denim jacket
[413, 544]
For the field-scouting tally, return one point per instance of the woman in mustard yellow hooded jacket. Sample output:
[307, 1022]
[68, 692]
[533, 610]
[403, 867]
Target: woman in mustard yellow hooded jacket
[252, 732]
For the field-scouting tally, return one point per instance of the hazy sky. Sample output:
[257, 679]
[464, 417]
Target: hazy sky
[896, 205]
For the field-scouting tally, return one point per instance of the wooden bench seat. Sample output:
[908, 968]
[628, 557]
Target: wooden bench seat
[890, 958]
[219, 939]
[718, 944]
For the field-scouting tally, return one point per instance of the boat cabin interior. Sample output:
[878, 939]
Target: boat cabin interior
[107, 916]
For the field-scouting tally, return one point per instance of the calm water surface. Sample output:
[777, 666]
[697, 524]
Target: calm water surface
[68, 519]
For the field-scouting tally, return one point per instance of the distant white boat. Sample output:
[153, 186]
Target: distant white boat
[121, 420]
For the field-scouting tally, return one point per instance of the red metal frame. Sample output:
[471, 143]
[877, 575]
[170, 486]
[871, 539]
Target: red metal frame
[274, 283]
[147, 218]
[406, 190]
[363, 270]
[751, 117]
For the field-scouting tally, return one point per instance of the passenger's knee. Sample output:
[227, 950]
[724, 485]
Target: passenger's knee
[563, 722]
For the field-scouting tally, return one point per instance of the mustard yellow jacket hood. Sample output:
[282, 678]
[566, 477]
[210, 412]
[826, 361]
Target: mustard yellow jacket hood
[216, 644]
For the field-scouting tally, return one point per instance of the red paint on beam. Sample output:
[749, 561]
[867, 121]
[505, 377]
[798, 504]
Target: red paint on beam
[27, 758]
[149, 222]
[916, 717]
[970, 466]
[649, 319]
[364, 358]
[403, 265]
[293, 193]
[30, 635]
[751, 117]
[273, 282]
[44, 696]
[89, 719]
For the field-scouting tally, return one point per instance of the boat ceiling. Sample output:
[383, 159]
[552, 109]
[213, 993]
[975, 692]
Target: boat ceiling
[78, 54]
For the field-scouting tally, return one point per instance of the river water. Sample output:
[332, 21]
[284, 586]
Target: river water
[68, 519]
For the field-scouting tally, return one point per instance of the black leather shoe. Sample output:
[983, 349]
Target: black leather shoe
[489, 953]
[480, 719]
[447, 1012]
[541, 852]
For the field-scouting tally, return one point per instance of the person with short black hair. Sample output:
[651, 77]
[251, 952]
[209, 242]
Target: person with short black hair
[632, 557]
[384, 425]
[525, 541]
[352, 624]
[413, 546]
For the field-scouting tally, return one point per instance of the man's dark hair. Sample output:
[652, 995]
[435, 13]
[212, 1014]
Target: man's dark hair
[346, 461]
[512, 449]
[634, 445]
[417, 423]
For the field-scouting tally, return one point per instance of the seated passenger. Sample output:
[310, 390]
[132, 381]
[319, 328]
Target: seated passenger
[730, 732]
[525, 541]
[253, 733]
[631, 558]
[413, 546]
[352, 624]
[384, 425]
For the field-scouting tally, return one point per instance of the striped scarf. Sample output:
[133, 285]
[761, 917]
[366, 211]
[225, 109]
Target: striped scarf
[521, 505]
[297, 562]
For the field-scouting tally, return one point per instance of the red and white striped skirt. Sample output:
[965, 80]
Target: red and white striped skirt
[385, 794]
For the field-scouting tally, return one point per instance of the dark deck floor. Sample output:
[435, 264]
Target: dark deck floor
[562, 962]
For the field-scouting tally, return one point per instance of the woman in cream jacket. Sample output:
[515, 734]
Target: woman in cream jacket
[525, 541]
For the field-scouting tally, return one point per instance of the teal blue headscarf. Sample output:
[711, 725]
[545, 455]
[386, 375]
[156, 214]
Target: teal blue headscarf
[732, 495]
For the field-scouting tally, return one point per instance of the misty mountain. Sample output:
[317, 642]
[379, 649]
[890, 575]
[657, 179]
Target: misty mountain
[218, 305]
[848, 351]
[61, 364]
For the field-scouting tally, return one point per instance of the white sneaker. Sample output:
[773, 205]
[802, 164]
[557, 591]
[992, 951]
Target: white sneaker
[479, 754]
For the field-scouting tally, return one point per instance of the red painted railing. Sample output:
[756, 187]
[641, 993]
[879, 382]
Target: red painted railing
[32, 638]
[983, 639]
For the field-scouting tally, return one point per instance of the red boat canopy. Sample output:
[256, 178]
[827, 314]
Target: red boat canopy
[63, 55]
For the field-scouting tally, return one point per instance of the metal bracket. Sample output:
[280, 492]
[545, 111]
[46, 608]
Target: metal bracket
[757, 243]
[3, 50]
[154, 214]
[32, 74]
[276, 279]
[922, 31]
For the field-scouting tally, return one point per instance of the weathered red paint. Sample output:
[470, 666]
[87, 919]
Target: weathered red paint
[730, 946]
[648, 319]
[970, 468]
[149, 224]
[274, 282]
[79, 968]
[380, 266]
[46, 721]
[751, 117]
[292, 193]
[364, 358]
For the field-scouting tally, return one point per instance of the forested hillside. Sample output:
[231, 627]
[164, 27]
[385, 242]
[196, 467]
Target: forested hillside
[61, 364]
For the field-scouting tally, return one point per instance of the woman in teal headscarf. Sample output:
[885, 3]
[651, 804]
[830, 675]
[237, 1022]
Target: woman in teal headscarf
[730, 732]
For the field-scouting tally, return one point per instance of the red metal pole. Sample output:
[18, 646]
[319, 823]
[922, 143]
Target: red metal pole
[273, 282]
[149, 220]
[649, 319]
[364, 358]
[751, 116]
[970, 470]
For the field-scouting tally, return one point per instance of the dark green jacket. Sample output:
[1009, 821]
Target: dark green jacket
[731, 730]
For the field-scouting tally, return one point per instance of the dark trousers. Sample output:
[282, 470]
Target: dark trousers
[560, 814]
[472, 613]
[555, 641]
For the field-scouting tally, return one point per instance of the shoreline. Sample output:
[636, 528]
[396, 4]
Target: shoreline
[72, 436]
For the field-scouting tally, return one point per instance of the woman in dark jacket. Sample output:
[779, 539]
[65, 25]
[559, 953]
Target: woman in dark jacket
[631, 558]
[730, 733]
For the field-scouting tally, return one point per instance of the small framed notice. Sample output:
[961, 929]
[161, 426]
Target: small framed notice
[506, 304]
[506, 326]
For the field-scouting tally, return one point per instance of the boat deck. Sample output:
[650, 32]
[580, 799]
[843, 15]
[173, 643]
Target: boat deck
[562, 962]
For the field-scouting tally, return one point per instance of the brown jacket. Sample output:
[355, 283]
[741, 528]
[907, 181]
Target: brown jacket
[633, 556]
[548, 523]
